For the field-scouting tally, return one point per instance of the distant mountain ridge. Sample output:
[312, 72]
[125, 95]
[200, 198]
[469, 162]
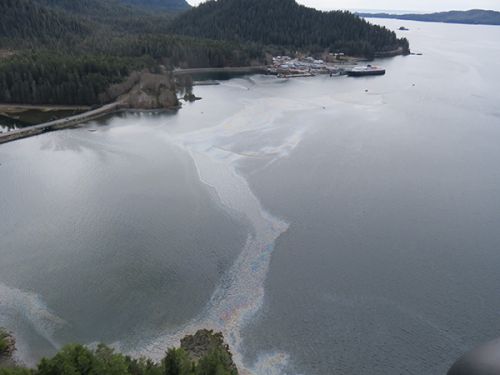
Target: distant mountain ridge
[471, 17]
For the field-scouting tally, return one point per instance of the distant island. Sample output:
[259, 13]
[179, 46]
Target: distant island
[470, 17]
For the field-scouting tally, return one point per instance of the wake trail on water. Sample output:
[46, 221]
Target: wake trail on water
[217, 152]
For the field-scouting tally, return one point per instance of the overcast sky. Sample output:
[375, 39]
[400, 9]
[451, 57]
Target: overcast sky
[407, 5]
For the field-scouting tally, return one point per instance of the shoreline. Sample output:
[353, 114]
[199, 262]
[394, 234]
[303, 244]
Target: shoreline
[63, 123]
[92, 114]
[73, 121]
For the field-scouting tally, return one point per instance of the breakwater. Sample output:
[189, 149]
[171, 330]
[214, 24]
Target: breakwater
[237, 69]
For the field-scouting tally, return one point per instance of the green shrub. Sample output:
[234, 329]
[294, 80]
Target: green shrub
[177, 362]
[4, 344]
[217, 362]
[15, 371]
[80, 360]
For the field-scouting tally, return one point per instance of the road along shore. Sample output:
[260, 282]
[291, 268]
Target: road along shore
[60, 124]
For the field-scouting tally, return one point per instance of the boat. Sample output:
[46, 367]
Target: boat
[369, 70]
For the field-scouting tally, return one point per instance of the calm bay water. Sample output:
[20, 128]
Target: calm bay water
[325, 225]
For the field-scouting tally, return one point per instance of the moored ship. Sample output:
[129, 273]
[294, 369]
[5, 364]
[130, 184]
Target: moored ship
[368, 70]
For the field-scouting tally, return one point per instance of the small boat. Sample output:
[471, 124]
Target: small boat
[369, 70]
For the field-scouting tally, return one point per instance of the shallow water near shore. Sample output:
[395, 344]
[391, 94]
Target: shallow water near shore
[324, 225]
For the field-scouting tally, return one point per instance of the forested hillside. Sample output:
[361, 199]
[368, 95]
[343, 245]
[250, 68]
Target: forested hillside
[69, 51]
[26, 22]
[51, 78]
[112, 16]
[286, 23]
[62, 24]
[96, 6]
[173, 5]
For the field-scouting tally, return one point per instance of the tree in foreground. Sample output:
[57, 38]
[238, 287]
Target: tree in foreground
[217, 362]
[205, 353]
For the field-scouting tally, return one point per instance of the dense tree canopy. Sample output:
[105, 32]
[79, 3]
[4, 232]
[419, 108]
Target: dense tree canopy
[25, 22]
[286, 23]
[50, 78]
[70, 51]
[173, 5]
[80, 360]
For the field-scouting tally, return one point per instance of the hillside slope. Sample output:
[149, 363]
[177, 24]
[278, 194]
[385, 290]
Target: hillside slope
[71, 51]
[98, 7]
[112, 15]
[24, 20]
[286, 23]
[169, 5]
